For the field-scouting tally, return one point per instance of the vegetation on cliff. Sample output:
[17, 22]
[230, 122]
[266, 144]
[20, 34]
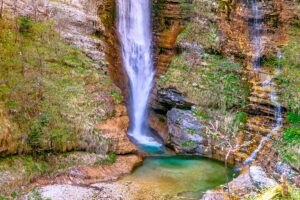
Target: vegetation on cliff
[289, 83]
[51, 96]
[210, 80]
[50, 90]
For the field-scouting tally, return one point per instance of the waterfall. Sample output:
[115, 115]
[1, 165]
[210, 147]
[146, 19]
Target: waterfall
[267, 83]
[135, 35]
[256, 32]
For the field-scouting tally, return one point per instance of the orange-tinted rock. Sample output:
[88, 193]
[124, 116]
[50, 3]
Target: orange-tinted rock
[236, 32]
[169, 20]
[107, 13]
[159, 124]
[10, 139]
[94, 174]
[170, 17]
[115, 130]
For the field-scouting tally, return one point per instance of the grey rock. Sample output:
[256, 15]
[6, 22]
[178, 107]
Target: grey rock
[172, 98]
[246, 185]
[260, 179]
[185, 132]
[286, 170]
[76, 21]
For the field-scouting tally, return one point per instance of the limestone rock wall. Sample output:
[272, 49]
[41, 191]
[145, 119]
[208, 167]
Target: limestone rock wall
[107, 12]
[169, 19]
[9, 135]
[236, 30]
[75, 20]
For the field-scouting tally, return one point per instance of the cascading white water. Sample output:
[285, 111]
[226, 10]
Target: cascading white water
[256, 41]
[278, 116]
[267, 83]
[135, 35]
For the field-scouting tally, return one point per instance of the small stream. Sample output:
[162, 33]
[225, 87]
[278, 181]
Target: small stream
[266, 79]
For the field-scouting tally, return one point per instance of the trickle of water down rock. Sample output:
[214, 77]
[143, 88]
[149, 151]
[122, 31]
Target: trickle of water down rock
[256, 40]
[268, 81]
[135, 35]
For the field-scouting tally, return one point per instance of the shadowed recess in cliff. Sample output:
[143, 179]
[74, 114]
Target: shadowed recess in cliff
[134, 31]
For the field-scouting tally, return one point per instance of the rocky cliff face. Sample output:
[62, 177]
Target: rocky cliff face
[169, 17]
[75, 20]
[9, 135]
[236, 30]
[107, 12]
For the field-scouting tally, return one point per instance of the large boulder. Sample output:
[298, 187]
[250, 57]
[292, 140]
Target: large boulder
[285, 169]
[168, 98]
[246, 185]
[185, 132]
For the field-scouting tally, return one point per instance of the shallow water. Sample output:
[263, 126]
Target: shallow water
[182, 177]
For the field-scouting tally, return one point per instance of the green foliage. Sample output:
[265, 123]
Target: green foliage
[117, 96]
[25, 25]
[35, 195]
[292, 134]
[45, 86]
[191, 131]
[289, 85]
[202, 29]
[34, 137]
[270, 61]
[294, 119]
[189, 143]
[217, 85]
[289, 81]
[289, 148]
[25, 168]
[275, 193]
[202, 115]
[109, 160]
[240, 117]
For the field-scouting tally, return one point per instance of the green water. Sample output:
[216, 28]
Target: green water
[180, 176]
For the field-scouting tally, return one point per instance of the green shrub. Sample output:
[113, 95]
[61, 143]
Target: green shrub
[110, 159]
[34, 137]
[294, 119]
[25, 24]
[189, 143]
[240, 117]
[270, 61]
[292, 134]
